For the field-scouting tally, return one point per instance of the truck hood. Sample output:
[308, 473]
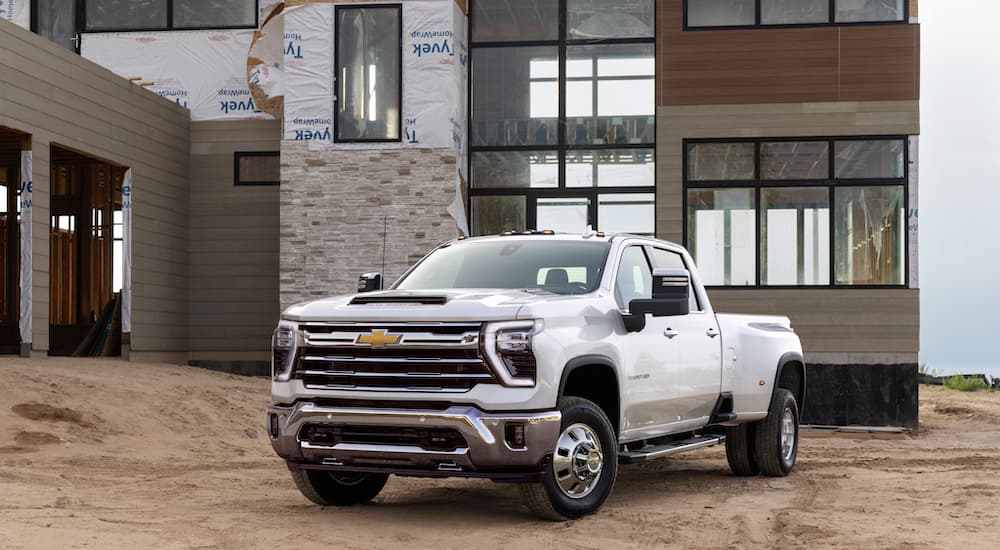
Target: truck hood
[429, 306]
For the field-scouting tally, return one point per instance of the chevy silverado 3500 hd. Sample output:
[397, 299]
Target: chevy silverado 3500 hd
[533, 358]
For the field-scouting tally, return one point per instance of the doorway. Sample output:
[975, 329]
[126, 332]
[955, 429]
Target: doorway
[84, 255]
[11, 145]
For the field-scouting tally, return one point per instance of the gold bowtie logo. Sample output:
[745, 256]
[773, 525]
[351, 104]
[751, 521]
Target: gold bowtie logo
[379, 339]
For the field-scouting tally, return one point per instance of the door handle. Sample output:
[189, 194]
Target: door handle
[712, 333]
[669, 333]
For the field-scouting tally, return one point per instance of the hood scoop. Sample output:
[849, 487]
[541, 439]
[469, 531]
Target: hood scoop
[393, 298]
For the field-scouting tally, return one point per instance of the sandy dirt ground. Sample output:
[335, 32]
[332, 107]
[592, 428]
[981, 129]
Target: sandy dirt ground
[104, 454]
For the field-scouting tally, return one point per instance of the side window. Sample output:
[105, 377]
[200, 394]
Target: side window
[665, 259]
[634, 278]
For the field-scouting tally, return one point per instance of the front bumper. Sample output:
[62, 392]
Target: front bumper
[486, 452]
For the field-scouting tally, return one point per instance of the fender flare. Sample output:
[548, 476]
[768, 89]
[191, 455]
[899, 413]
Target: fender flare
[791, 357]
[586, 361]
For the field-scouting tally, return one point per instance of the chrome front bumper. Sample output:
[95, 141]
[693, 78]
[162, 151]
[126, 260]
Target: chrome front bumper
[486, 454]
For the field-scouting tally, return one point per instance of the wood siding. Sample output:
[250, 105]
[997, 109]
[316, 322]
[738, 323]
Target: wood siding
[809, 64]
[60, 98]
[234, 242]
[863, 326]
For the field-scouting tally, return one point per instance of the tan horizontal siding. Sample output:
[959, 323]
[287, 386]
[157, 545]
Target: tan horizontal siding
[234, 241]
[62, 99]
[837, 321]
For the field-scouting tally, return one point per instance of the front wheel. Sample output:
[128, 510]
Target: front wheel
[328, 488]
[776, 438]
[582, 472]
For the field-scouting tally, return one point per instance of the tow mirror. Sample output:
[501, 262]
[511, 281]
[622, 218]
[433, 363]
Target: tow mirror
[671, 295]
[370, 282]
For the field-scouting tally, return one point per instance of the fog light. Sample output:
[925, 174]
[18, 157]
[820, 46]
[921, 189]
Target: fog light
[274, 427]
[514, 433]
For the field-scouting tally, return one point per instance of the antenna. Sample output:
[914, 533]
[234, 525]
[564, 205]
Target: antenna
[385, 234]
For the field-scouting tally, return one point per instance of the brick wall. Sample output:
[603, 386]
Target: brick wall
[334, 205]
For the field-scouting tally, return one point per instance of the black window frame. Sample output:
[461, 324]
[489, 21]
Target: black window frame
[831, 21]
[831, 183]
[239, 155]
[336, 70]
[562, 146]
[81, 21]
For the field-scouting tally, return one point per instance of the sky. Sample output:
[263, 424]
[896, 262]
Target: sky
[960, 186]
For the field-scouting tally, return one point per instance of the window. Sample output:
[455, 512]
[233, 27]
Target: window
[258, 168]
[744, 13]
[720, 226]
[563, 267]
[369, 74]
[821, 212]
[131, 15]
[117, 15]
[195, 14]
[563, 115]
[791, 12]
[854, 11]
[720, 13]
[635, 279]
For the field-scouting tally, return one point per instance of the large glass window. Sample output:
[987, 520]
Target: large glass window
[595, 19]
[721, 227]
[855, 11]
[195, 14]
[515, 96]
[610, 94]
[870, 235]
[368, 73]
[514, 20]
[720, 13]
[795, 236]
[720, 161]
[743, 13]
[563, 114]
[794, 12]
[113, 15]
[795, 160]
[122, 15]
[869, 159]
[774, 229]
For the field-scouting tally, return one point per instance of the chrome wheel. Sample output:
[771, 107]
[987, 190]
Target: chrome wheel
[578, 461]
[788, 434]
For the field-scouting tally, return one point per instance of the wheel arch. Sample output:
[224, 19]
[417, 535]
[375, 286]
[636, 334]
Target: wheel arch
[594, 377]
[791, 375]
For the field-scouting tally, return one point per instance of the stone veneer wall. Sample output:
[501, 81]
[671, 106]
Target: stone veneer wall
[333, 206]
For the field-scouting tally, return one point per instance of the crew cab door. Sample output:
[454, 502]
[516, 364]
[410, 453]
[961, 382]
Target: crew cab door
[650, 356]
[698, 341]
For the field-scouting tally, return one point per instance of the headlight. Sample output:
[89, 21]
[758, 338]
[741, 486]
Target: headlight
[284, 341]
[508, 345]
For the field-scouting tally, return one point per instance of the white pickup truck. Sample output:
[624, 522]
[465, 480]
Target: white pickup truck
[540, 359]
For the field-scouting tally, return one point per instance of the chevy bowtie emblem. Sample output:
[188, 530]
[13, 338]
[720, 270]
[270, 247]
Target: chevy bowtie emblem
[379, 339]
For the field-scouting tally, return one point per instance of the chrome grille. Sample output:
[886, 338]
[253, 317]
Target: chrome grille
[426, 357]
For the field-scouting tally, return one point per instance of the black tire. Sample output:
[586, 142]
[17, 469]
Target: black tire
[328, 488]
[740, 450]
[769, 453]
[547, 499]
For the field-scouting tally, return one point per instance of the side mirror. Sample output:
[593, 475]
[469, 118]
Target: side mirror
[671, 295]
[370, 282]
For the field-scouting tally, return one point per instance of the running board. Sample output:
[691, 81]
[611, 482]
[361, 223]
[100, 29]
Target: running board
[660, 451]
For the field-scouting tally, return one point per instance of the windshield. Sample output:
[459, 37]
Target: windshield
[558, 266]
